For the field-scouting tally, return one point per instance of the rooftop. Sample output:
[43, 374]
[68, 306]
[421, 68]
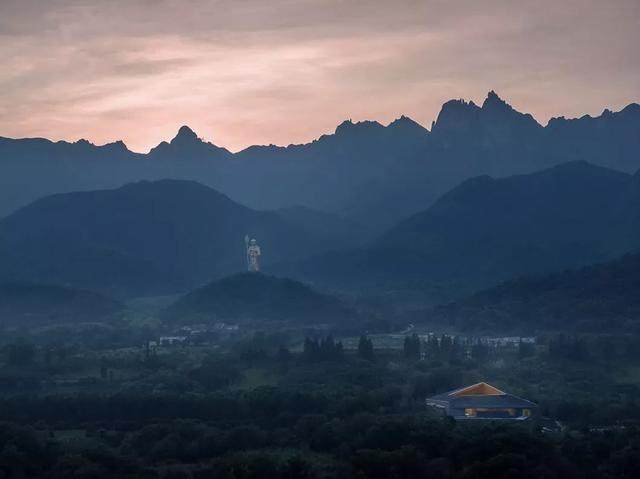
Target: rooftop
[480, 395]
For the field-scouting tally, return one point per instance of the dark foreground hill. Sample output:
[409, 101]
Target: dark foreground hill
[142, 239]
[255, 296]
[599, 298]
[23, 305]
[571, 214]
[488, 230]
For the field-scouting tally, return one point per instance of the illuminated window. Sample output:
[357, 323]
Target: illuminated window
[470, 412]
[526, 412]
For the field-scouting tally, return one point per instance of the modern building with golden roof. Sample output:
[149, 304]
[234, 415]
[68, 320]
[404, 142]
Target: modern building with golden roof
[483, 401]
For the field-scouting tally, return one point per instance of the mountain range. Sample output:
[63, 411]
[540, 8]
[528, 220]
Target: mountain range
[487, 230]
[372, 173]
[168, 236]
[149, 238]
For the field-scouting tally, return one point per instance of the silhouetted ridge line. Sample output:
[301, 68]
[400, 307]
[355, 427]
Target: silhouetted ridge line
[374, 174]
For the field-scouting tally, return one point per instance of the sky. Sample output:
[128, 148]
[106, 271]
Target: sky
[243, 72]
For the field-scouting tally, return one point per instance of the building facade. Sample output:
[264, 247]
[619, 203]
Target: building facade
[483, 401]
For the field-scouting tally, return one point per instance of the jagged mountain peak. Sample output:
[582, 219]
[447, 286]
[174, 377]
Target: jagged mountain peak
[456, 108]
[118, 144]
[185, 134]
[493, 101]
[187, 144]
[406, 122]
[406, 129]
[461, 117]
[351, 126]
[459, 104]
[629, 112]
[455, 114]
[403, 120]
[494, 105]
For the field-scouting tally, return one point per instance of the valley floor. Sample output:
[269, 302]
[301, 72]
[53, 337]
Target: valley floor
[271, 405]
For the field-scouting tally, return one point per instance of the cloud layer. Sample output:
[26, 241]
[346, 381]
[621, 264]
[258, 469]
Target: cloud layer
[284, 71]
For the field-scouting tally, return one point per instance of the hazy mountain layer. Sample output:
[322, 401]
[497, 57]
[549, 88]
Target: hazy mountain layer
[373, 173]
[600, 298]
[334, 231]
[487, 230]
[24, 304]
[143, 238]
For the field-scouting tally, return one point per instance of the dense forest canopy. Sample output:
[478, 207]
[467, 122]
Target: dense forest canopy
[599, 298]
[256, 296]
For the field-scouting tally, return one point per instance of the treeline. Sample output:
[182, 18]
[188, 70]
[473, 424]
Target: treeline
[453, 348]
[327, 413]
[295, 445]
[587, 348]
[443, 348]
[327, 349]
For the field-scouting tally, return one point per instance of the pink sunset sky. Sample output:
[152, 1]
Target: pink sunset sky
[242, 72]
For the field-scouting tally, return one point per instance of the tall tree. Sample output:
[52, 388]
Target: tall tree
[412, 347]
[365, 348]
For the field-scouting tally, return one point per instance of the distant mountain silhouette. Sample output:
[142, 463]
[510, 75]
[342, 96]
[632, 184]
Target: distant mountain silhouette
[187, 146]
[611, 139]
[369, 172]
[487, 230]
[600, 298]
[143, 238]
[493, 123]
[255, 296]
[25, 304]
[350, 172]
[492, 139]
